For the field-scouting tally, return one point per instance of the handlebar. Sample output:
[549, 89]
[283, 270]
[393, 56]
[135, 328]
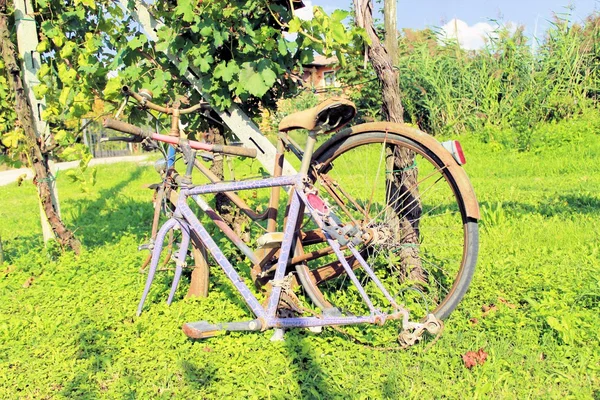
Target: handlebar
[125, 128]
[126, 90]
[139, 132]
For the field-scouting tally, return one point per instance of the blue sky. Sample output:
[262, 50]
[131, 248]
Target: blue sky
[534, 14]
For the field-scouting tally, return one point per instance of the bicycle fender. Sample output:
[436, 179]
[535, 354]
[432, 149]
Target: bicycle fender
[427, 141]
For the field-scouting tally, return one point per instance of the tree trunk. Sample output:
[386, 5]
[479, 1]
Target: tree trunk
[37, 158]
[401, 182]
[224, 207]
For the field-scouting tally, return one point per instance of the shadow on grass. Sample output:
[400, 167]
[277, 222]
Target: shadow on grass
[93, 348]
[314, 383]
[197, 377]
[563, 205]
[105, 219]
[21, 245]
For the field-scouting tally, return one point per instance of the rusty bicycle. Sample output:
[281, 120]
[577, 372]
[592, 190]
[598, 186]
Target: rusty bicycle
[381, 225]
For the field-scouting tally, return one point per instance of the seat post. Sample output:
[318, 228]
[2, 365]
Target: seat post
[308, 152]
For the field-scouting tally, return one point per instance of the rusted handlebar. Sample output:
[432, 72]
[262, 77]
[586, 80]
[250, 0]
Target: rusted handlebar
[234, 150]
[125, 127]
[126, 90]
[137, 131]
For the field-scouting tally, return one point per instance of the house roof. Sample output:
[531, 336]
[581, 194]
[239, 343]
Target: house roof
[321, 61]
[298, 4]
[286, 3]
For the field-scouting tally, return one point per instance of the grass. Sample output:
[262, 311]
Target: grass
[72, 332]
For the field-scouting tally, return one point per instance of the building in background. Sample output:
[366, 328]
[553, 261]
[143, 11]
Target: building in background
[319, 75]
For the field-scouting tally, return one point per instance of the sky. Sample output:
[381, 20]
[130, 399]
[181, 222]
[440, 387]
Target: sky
[469, 20]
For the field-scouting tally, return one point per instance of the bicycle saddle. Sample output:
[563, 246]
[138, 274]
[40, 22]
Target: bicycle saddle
[329, 116]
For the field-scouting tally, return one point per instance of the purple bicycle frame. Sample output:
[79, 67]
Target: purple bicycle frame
[266, 318]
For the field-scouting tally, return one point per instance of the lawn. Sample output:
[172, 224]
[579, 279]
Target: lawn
[68, 325]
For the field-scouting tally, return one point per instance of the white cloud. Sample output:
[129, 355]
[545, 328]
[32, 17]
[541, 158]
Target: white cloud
[305, 13]
[469, 37]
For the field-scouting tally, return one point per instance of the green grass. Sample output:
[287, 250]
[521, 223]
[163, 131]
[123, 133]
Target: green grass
[73, 331]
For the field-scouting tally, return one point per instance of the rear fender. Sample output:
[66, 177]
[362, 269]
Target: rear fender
[427, 141]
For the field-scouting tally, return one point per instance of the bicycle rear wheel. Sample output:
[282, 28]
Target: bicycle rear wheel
[422, 243]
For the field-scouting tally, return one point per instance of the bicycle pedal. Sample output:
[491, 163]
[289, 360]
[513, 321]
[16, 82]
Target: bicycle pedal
[201, 330]
[270, 240]
[316, 329]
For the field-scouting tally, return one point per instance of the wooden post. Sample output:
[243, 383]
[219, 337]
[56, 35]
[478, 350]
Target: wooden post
[27, 41]
[398, 159]
[390, 16]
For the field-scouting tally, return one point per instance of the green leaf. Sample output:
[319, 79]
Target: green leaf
[67, 49]
[186, 9]
[206, 31]
[42, 46]
[166, 37]
[203, 64]
[73, 176]
[93, 178]
[58, 41]
[266, 72]
[338, 32]
[64, 96]
[60, 135]
[12, 138]
[217, 38]
[137, 42]
[40, 91]
[43, 71]
[66, 75]
[339, 15]
[281, 46]
[226, 70]
[183, 65]
[113, 86]
[295, 25]
[253, 82]
[48, 29]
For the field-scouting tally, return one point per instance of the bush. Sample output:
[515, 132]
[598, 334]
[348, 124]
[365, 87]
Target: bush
[503, 87]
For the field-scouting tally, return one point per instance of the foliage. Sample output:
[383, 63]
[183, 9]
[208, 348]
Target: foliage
[285, 106]
[10, 134]
[72, 332]
[237, 49]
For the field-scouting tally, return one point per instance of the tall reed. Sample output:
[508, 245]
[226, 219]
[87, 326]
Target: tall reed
[503, 86]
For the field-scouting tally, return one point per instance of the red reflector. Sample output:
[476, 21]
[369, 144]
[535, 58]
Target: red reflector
[454, 147]
[459, 152]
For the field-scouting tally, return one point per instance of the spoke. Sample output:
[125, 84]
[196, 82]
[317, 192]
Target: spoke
[388, 206]
[381, 154]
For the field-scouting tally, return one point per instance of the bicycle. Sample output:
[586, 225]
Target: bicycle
[354, 228]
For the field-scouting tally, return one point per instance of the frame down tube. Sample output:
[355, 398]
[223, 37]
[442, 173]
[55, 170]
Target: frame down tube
[210, 244]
